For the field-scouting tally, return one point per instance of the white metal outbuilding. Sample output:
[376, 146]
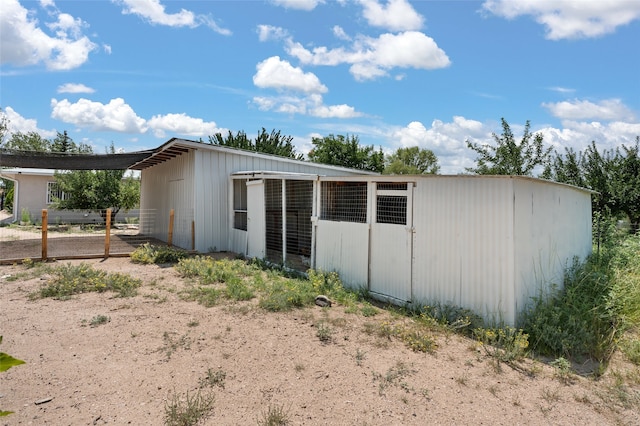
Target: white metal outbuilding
[487, 243]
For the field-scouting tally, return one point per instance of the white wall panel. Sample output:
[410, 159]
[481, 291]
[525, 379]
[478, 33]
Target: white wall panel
[343, 247]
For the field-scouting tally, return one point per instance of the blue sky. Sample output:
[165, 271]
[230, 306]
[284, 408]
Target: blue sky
[394, 73]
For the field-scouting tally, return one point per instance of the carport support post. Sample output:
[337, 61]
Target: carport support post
[170, 236]
[107, 235]
[45, 214]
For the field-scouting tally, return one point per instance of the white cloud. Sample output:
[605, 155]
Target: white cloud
[396, 15]
[74, 88]
[306, 5]
[335, 111]
[275, 73]
[339, 32]
[154, 12]
[18, 123]
[181, 124]
[374, 57]
[269, 32]
[312, 105]
[570, 19]
[608, 110]
[23, 42]
[115, 116]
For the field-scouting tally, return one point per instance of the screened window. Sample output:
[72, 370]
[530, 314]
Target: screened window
[344, 201]
[240, 204]
[391, 203]
[54, 193]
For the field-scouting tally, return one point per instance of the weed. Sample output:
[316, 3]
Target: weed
[324, 332]
[171, 344]
[563, 370]
[493, 390]
[206, 296]
[504, 344]
[149, 253]
[631, 349]
[299, 368]
[393, 376]
[360, 356]
[368, 310]
[462, 380]
[193, 323]
[213, 378]
[239, 290]
[99, 320]
[188, 411]
[276, 415]
[550, 395]
[69, 279]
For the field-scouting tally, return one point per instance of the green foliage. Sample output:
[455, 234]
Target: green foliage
[149, 253]
[346, 152]
[505, 344]
[213, 378]
[599, 301]
[7, 362]
[97, 190]
[411, 161]
[507, 157]
[274, 143]
[99, 320]
[67, 280]
[189, 410]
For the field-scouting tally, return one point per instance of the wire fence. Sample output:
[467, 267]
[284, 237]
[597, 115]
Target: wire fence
[39, 239]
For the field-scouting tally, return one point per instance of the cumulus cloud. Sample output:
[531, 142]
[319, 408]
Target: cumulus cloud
[182, 124]
[275, 73]
[154, 12]
[396, 15]
[269, 32]
[374, 57]
[306, 5]
[312, 105]
[608, 110]
[74, 88]
[23, 42]
[569, 19]
[18, 123]
[115, 116]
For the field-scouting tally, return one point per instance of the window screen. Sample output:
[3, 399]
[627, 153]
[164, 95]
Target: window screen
[54, 193]
[240, 204]
[344, 201]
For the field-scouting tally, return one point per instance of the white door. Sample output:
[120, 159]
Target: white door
[256, 241]
[392, 242]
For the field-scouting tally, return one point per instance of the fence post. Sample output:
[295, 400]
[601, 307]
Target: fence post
[107, 235]
[45, 215]
[170, 236]
[193, 235]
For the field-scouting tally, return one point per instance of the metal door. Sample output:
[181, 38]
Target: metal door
[256, 242]
[391, 244]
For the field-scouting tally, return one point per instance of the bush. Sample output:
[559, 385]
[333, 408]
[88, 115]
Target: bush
[148, 253]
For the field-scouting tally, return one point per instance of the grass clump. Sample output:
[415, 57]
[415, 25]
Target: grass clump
[213, 378]
[67, 280]
[99, 320]
[599, 302]
[188, 410]
[149, 253]
[276, 415]
[504, 344]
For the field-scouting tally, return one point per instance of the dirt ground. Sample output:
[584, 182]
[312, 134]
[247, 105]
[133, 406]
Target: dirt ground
[156, 345]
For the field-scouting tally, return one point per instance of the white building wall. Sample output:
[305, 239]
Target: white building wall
[463, 243]
[552, 225]
[343, 247]
[167, 186]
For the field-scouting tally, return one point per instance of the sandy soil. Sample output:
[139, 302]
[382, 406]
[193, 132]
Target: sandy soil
[156, 345]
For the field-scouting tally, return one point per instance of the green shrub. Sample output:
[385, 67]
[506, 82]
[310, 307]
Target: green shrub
[505, 344]
[187, 411]
[148, 253]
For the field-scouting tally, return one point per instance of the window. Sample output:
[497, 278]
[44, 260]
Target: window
[240, 204]
[54, 193]
[344, 201]
[391, 203]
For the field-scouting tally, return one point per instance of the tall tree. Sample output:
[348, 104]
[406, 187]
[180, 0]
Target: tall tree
[626, 190]
[268, 143]
[30, 141]
[411, 161]
[508, 157]
[346, 152]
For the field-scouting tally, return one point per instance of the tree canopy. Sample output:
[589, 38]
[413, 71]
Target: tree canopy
[268, 143]
[411, 161]
[508, 157]
[97, 190]
[346, 152]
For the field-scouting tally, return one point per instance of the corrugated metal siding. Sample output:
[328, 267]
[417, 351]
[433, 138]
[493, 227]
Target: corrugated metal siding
[155, 202]
[463, 249]
[212, 184]
[552, 226]
[343, 247]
